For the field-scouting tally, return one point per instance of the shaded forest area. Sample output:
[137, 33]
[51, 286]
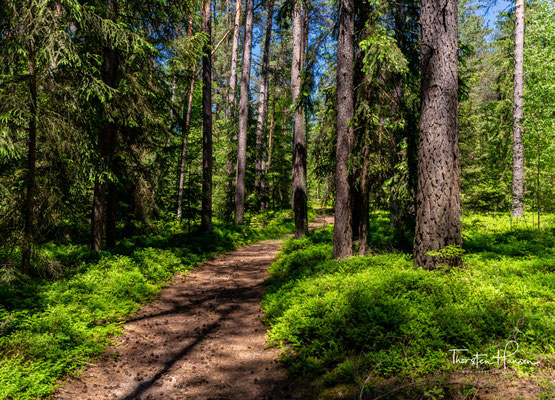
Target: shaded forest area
[138, 139]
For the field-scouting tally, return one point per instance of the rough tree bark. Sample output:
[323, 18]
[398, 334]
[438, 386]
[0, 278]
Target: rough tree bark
[263, 108]
[298, 190]
[243, 118]
[28, 234]
[342, 235]
[105, 144]
[518, 105]
[438, 205]
[207, 162]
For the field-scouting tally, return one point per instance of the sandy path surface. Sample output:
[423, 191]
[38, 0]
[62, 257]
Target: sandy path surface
[201, 339]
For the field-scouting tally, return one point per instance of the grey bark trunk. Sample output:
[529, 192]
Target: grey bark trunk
[234, 56]
[263, 108]
[342, 234]
[207, 162]
[243, 118]
[231, 110]
[438, 204]
[298, 190]
[518, 105]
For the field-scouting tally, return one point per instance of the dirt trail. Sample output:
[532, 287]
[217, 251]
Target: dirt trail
[201, 339]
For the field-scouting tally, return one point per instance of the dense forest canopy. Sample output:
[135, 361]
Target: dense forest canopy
[118, 114]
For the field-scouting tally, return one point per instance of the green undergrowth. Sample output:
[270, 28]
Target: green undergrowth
[49, 328]
[339, 322]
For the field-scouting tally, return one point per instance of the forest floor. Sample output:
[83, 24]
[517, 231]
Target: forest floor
[201, 339]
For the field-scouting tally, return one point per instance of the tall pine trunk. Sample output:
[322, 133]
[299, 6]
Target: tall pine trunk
[207, 162]
[105, 144]
[342, 235]
[243, 118]
[231, 109]
[298, 189]
[518, 105]
[438, 205]
[263, 109]
[32, 154]
[231, 99]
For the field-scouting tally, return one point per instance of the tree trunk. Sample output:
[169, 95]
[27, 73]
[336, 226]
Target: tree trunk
[438, 205]
[263, 108]
[231, 112]
[342, 235]
[271, 136]
[111, 215]
[231, 99]
[395, 204]
[364, 205]
[243, 118]
[105, 143]
[191, 92]
[268, 163]
[181, 182]
[518, 105]
[298, 190]
[206, 211]
[32, 154]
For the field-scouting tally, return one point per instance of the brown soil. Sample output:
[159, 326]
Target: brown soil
[201, 339]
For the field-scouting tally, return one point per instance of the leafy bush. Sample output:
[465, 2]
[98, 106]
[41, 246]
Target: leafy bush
[339, 320]
[48, 328]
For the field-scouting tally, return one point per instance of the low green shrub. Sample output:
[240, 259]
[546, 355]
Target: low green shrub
[337, 321]
[49, 327]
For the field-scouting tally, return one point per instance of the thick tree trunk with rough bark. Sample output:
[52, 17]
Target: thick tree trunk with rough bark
[207, 162]
[28, 236]
[518, 105]
[263, 96]
[105, 144]
[298, 189]
[342, 235]
[243, 118]
[438, 205]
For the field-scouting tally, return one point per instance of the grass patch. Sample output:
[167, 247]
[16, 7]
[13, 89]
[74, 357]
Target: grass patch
[49, 327]
[340, 321]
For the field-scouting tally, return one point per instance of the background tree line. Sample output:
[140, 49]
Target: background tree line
[115, 115]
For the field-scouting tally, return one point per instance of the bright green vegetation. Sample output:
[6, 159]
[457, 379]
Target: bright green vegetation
[341, 321]
[50, 327]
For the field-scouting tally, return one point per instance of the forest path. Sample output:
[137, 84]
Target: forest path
[201, 339]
